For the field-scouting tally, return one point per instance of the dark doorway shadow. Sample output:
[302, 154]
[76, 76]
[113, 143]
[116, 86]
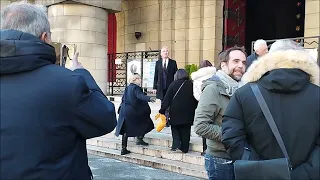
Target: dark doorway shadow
[273, 19]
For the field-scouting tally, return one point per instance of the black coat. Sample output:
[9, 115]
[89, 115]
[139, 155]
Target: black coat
[294, 103]
[182, 107]
[47, 112]
[134, 115]
[157, 83]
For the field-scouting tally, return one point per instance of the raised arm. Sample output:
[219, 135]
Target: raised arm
[95, 114]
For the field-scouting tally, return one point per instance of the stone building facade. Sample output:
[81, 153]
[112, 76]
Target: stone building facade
[192, 29]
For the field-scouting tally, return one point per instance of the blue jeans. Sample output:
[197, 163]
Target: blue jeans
[219, 168]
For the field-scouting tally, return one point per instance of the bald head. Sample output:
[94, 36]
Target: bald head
[164, 52]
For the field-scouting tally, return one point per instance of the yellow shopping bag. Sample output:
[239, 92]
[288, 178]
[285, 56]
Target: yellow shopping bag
[163, 120]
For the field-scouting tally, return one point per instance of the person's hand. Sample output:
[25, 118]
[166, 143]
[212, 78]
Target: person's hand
[154, 91]
[75, 62]
[153, 99]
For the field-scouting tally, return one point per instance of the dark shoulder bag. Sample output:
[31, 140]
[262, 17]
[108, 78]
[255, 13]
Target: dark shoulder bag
[168, 109]
[278, 169]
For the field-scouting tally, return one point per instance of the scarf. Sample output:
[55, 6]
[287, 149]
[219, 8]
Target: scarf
[230, 84]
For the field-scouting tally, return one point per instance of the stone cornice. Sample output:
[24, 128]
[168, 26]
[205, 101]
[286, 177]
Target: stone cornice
[111, 6]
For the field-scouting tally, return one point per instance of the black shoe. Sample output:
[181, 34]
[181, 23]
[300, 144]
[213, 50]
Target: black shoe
[141, 142]
[125, 151]
[173, 149]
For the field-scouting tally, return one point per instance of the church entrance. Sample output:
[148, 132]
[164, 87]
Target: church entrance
[248, 20]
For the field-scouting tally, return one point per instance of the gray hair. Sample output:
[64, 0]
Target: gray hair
[134, 77]
[285, 44]
[25, 17]
[258, 43]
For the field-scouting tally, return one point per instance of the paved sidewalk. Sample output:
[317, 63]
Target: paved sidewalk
[110, 169]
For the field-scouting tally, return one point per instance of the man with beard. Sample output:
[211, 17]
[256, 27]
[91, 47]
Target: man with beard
[214, 99]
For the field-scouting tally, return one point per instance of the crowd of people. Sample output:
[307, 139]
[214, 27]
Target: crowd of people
[48, 111]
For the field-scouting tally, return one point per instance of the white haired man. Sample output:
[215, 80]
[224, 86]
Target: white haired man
[260, 48]
[47, 111]
[288, 79]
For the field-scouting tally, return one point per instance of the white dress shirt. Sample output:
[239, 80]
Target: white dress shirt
[165, 61]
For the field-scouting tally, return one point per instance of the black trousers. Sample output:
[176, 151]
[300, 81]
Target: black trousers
[125, 140]
[204, 144]
[181, 137]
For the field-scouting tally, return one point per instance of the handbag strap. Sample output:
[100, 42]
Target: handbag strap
[264, 107]
[178, 90]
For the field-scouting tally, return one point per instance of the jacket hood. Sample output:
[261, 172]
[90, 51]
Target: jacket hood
[289, 59]
[203, 72]
[213, 80]
[22, 52]
[285, 80]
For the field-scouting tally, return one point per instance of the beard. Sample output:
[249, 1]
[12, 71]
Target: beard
[236, 76]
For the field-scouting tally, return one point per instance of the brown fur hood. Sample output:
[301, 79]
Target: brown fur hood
[290, 59]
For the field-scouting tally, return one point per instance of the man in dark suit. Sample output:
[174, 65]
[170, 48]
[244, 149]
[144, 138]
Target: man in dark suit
[164, 72]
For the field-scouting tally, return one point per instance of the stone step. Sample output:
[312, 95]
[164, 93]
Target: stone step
[155, 162]
[163, 139]
[151, 150]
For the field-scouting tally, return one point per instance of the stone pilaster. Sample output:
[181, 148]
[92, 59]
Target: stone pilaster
[312, 18]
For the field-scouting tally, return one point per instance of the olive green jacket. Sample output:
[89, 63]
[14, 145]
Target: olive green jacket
[208, 116]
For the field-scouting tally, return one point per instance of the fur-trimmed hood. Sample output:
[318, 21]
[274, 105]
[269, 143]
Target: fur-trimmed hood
[289, 59]
[206, 71]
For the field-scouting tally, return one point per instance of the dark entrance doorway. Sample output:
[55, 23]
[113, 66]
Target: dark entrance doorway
[274, 19]
[248, 20]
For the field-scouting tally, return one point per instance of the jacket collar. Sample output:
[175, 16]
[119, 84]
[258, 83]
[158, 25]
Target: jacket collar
[22, 52]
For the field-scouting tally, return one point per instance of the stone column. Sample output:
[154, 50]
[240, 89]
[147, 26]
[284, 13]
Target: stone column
[195, 35]
[4, 3]
[179, 32]
[312, 18]
[86, 27]
[212, 29]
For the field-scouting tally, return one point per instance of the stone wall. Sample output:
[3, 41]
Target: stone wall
[312, 19]
[191, 29]
[86, 27]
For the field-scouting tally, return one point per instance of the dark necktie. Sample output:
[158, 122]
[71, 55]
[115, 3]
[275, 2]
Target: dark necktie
[165, 65]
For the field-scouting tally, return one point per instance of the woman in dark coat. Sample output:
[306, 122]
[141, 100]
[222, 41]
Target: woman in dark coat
[134, 114]
[182, 103]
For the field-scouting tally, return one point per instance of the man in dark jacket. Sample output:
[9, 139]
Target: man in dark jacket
[260, 48]
[164, 71]
[47, 111]
[289, 82]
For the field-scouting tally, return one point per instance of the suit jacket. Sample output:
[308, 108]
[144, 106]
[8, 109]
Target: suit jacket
[157, 83]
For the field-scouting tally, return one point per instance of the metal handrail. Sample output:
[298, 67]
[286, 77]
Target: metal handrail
[297, 38]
